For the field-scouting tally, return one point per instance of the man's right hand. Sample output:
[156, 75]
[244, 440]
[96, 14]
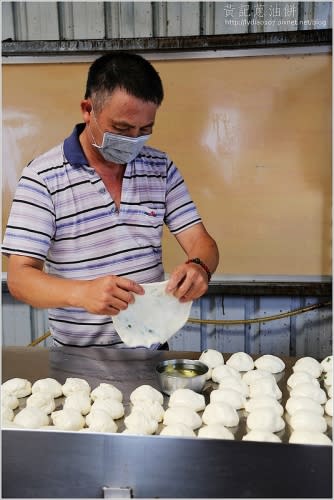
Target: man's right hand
[28, 282]
[108, 295]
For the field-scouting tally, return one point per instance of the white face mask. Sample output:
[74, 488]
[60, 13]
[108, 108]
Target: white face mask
[119, 148]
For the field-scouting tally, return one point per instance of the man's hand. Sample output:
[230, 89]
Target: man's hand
[108, 295]
[188, 282]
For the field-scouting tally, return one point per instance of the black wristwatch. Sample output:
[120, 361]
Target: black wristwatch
[198, 261]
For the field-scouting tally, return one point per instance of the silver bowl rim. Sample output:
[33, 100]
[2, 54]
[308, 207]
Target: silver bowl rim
[181, 361]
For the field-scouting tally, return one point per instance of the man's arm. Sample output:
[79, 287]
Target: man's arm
[190, 281]
[29, 283]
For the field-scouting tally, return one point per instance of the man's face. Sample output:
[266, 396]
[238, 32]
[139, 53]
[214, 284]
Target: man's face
[122, 114]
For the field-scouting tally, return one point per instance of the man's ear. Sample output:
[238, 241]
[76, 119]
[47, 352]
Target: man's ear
[86, 109]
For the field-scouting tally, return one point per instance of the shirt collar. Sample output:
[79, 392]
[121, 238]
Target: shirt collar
[72, 147]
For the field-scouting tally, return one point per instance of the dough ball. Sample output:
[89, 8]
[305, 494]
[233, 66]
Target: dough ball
[296, 403]
[229, 396]
[68, 420]
[187, 397]
[31, 418]
[215, 431]
[241, 361]
[264, 402]
[270, 363]
[209, 373]
[9, 401]
[112, 406]
[177, 430]
[304, 420]
[140, 423]
[151, 408]
[258, 435]
[7, 414]
[6, 424]
[329, 407]
[305, 437]
[308, 390]
[223, 371]
[265, 387]
[220, 413]
[19, 387]
[106, 391]
[265, 419]
[253, 375]
[182, 415]
[236, 385]
[49, 385]
[144, 392]
[301, 378]
[79, 400]
[327, 364]
[100, 421]
[330, 391]
[309, 365]
[328, 378]
[42, 400]
[75, 384]
[211, 358]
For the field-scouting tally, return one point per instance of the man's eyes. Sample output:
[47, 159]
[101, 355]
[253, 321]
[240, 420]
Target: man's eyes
[119, 129]
[124, 130]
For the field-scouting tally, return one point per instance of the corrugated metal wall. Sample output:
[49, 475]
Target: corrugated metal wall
[308, 334]
[99, 20]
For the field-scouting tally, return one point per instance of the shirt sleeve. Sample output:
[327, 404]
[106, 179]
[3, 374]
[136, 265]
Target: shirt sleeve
[181, 212]
[31, 222]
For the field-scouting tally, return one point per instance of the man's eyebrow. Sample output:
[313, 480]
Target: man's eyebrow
[121, 123]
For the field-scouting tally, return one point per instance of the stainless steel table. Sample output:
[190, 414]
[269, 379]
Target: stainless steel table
[40, 464]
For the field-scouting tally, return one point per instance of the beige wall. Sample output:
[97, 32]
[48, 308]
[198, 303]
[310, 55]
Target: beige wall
[252, 137]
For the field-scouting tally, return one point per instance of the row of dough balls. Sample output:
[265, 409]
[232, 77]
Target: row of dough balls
[107, 405]
[241, 361]
[181, 418]
[260, 386]
[308, 403]
[78, 410]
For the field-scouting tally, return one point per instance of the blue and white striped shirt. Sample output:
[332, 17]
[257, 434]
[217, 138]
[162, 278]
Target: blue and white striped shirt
[63, 214]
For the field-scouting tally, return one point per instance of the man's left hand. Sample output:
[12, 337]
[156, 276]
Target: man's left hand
[188, 282]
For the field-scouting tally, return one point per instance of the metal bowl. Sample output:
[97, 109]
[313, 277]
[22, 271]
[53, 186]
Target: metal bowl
[181, 374]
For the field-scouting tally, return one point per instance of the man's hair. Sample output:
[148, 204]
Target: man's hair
[126, 71]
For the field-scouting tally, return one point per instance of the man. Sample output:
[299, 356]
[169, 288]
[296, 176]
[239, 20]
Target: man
[86, 222]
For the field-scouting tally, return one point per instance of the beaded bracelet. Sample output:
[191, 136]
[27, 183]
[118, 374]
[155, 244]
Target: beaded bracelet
[198, 261]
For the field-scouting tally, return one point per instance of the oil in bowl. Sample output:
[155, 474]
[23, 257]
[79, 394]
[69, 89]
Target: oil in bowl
[184, 372]
[181, 374]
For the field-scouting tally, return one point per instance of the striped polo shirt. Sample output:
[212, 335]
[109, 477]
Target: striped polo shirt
[63, 214]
